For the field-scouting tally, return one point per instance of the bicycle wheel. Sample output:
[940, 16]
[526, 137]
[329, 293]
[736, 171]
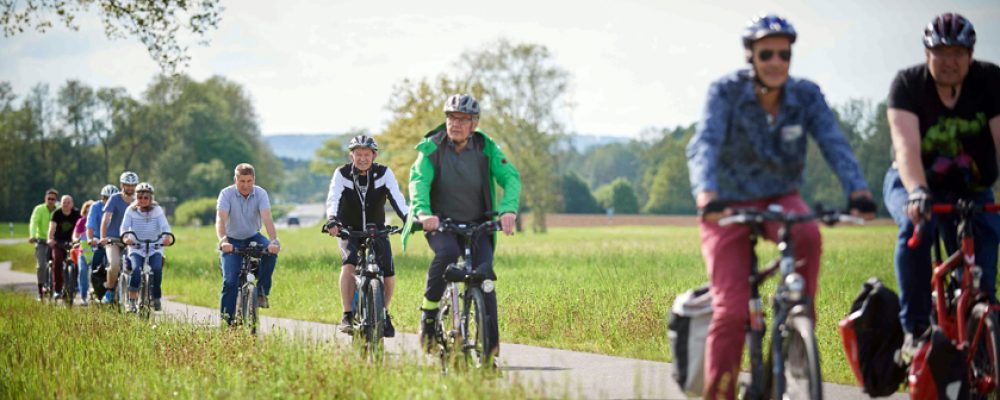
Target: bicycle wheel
[478, 347]
[800, 358]
[447, 334]
[984, 367]
[121, 291]
[374, 328]
[145, 298]
[252, 308]
[69, 283]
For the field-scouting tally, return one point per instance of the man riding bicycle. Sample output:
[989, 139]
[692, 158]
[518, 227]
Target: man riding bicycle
[61, 226]
[454, 177]
[358, 192]
[147, 220]
[94, 226]
[944, 118]
[749, 152]
[38, 229]
[111, 222]
[241, 210]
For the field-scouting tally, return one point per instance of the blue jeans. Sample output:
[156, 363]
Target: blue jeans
[913, 266]
[83, 276]
[156, 262]
[231, 274]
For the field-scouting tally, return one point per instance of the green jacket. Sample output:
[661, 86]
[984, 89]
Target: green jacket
[38, 226]
[423, 179]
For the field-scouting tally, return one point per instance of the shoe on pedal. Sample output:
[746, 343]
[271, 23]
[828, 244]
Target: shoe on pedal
[262, 302]
[428, 323]
[108, 297]
[389, 331]
[347, 324]
[156, 305]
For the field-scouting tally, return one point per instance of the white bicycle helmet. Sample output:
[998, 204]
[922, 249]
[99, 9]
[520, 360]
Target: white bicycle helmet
[129, 178]
[462, 103]
[144, 187]
[109, 190]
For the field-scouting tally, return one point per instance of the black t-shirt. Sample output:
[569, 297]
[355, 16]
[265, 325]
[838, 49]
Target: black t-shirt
[956, 145]
[65, 224]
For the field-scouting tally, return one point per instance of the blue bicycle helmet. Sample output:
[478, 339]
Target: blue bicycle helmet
[767, 25]
[949, 29]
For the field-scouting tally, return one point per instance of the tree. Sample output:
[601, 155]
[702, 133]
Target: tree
[333, 153]
[666, 174]
[576, 196]
[154, 23]
[619, 195]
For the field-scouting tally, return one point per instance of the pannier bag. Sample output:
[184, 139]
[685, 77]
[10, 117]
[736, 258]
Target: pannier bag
[938, 369]
[871, 334]
[687, 329]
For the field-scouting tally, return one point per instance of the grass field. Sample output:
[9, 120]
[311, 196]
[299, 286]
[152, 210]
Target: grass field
[602, 290]
[54, 352]
[20, 230]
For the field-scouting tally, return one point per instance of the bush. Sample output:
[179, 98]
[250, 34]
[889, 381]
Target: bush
[199, 211]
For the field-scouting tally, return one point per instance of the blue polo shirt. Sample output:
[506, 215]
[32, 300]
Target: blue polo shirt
[116, 206]
[244, 211]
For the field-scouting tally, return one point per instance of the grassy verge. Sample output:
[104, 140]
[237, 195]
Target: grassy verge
[54, 352]
[602, 289]
[20, 230]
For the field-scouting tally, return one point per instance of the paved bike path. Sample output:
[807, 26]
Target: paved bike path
[554, 372]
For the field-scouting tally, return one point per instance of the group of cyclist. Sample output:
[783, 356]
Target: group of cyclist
[749, 151]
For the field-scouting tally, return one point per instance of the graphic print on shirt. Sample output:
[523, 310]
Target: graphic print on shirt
[943, 144]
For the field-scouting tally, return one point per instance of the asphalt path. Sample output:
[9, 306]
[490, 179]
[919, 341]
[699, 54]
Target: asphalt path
[553, 372]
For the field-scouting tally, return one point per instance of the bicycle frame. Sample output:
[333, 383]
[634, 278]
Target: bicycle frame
[249, 268]
[366, 272]
[144, 302]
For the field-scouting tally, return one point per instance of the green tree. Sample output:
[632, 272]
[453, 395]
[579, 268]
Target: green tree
[666, 174]
[619, 195]
[159, 25]
[576, 196]
[333, 153]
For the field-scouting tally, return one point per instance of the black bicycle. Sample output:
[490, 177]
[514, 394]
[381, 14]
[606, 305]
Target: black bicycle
[247, 302]
[47, 279]
[792, 368]
[463, 324]
[368, 305]
[69, 273]
[144, 306]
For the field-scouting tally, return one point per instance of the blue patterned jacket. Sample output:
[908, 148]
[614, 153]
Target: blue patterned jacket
[736, 153]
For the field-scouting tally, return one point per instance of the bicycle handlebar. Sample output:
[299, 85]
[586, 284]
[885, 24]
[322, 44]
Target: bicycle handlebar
[251, 250]
[754, 216]
[158, 241]
[467, 229]
[345, 233]
[962, 207]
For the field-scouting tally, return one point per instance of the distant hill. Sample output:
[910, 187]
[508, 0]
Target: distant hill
[297, 146]
[302, 147]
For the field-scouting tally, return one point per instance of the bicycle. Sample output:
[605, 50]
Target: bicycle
[48, 285]
[958, 302]
[368, 305]
[792, 367]
[144, 306]
[69, 273]
[247, 303]
[120, 291]
[462, 322]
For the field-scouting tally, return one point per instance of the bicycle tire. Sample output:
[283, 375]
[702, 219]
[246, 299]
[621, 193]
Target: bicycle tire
[374, 318]
[145, 298]
[121, 291]
[69, 283]
[446, 332]
[252, 307]
[984, 364]
[478, 352]
[800, 357]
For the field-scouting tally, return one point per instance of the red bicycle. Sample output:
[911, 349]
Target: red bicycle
[962, 311]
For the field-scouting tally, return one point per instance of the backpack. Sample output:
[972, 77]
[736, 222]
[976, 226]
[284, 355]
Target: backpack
[871, 335]
[687, 329]
[938, 369]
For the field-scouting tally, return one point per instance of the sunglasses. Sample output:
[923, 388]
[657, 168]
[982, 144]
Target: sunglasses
[764, 55]
[144, 197]
[50, 199]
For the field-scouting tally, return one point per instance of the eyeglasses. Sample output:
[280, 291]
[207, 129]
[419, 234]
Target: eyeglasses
[460, 120]
[50, 199]
[784, 55]
[144, 197]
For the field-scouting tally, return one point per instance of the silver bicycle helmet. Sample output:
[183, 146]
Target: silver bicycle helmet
[363, 141]
[950, 29]
[109, 190]
[129, 178]
[144, 187]
[462, 103]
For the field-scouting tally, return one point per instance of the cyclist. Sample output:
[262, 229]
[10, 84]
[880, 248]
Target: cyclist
[241, 210]
[358, 192]
[944, 118]
[749, 151]
[61, 226]
[38, 229]
[146, 218]
[454, 176]
[82, 250]
[94, 226]
[111, 222]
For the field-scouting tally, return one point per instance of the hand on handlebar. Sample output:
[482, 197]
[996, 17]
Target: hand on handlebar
[862, 205]
[273, 248]
[430, 222]
[507, 223]
[710, 209]
[333, 230]
[226, 247]
[918, 205]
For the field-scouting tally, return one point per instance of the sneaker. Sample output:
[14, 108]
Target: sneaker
[108, 297]
[83, 303]
[262, 301]
[428, 323]
[389, 330]
[909, 349]
[347, 324]
[57, 295]
[132, 308]
[156, 305]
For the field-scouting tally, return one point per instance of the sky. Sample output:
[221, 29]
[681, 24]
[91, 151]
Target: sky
[321, 67]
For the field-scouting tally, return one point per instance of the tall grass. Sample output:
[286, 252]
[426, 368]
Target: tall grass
[54, 352]
[602, 289]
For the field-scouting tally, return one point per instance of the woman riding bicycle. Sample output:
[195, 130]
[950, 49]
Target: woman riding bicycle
[749, 151]
[358, 192]
[146, 218]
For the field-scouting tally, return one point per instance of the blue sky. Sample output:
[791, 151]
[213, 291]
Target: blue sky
[330, 66]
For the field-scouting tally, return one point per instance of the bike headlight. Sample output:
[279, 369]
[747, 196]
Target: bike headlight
[489, 285]
[794, 286]
[251, 277]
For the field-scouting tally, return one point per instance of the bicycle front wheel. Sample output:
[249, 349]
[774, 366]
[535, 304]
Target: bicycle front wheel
[69, 283]
[248, 308]
[145, 298]
[800, 359]
[984, 367]
[121, 291]
[478, 347]
[374, 318]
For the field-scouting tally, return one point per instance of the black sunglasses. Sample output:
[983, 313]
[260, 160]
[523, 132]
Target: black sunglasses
[764, 55]
[51, 199]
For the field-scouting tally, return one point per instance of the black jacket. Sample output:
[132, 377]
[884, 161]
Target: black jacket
[343, 202]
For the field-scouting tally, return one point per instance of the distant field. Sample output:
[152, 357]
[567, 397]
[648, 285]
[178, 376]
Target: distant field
[20, 230]
[602, 289]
